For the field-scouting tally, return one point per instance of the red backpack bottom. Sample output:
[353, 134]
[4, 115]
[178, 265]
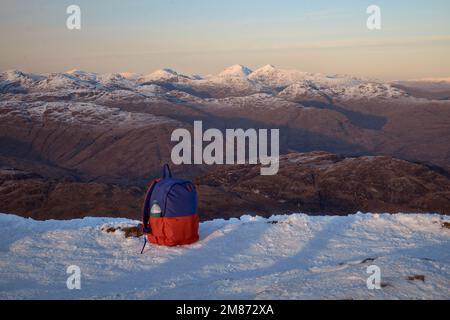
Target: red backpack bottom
[168, 231]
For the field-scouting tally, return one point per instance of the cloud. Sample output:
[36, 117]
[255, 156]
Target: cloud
[367, 42]
[436, 79]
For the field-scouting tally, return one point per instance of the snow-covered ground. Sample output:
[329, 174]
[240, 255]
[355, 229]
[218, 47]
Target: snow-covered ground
[284, 257]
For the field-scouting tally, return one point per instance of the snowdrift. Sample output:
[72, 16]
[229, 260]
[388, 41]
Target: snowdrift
[283, 257]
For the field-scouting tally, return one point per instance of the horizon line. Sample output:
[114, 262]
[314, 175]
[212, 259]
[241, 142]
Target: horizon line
[168, 69]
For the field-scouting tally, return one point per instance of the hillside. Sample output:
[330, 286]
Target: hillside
[343, 114]
[84, 143]
[315, 183]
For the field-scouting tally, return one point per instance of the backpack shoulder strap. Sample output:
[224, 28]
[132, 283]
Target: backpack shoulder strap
[146, 207]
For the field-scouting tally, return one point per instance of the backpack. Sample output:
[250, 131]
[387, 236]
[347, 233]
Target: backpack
[169, 215]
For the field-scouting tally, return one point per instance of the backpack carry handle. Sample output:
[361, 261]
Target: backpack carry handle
[166, 172]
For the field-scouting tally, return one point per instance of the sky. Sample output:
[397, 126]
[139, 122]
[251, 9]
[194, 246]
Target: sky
[206, 36]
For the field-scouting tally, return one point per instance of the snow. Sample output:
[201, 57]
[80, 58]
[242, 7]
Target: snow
[234, 81]
[78, 113]
[273, 77]
[236, 70]
[18, 81]
[131, 75]
[283, 257]
[366, 91]
[64, 81]
[235, 77]
[304, 89]
[83, 75]
[115, 80]
[150, 90]
[17, 75]
[162, 75]
[257, 100]
[278, 78]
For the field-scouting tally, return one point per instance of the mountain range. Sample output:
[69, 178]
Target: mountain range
[112, 131]
[236, 80]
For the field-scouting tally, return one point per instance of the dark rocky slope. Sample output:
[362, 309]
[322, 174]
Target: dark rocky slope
[315, 183]
[323, 183]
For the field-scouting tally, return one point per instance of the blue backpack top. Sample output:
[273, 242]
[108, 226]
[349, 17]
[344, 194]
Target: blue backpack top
[170, 211]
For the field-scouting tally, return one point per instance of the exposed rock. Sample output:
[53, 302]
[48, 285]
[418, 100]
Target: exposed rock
[129, 231]
[418, 277]
[31, 195]
[315, 183]
[323, 183]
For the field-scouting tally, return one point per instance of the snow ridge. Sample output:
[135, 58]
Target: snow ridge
[283, 257]
[234, 81]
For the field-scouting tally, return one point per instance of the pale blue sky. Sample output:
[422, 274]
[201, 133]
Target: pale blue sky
[205, 36]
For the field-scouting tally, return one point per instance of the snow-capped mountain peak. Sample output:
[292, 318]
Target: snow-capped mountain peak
[273, 77]
[131, 75]
[111, 76]
[234, 81]
[60, 81]
[16, 81]
[82, 75]
[236, 70]
[166, 71]
[165, 74]
[13, 74]
[266, 68]
[369, 90]
[115, 81]
[303, 90]
[17, 75]
[196, 77]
